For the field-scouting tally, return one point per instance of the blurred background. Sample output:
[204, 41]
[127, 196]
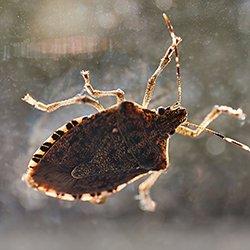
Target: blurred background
[204, 200]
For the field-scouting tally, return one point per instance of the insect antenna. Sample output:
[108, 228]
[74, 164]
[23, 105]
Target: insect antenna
[177, 59]
[223, 137]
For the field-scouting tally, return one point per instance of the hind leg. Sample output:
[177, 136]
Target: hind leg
[146, 202]
[56, 105]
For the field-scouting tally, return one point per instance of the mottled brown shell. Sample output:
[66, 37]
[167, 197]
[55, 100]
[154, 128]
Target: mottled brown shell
[99, 154]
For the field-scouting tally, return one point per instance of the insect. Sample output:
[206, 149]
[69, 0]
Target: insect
[91, 158]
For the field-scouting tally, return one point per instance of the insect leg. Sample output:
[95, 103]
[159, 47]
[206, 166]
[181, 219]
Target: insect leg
[146, 202]
[163, 63]
[212, 115]
[55, 105]
[99, 93]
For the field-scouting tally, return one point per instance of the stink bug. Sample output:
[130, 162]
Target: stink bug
[91, 158]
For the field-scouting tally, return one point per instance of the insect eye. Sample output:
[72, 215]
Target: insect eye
[160, 111]
[172, 132]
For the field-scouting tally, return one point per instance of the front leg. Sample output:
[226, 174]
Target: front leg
[163, 63]
[185, 130]
[211, 116]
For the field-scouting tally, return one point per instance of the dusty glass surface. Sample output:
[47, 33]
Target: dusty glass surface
[204, 200]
